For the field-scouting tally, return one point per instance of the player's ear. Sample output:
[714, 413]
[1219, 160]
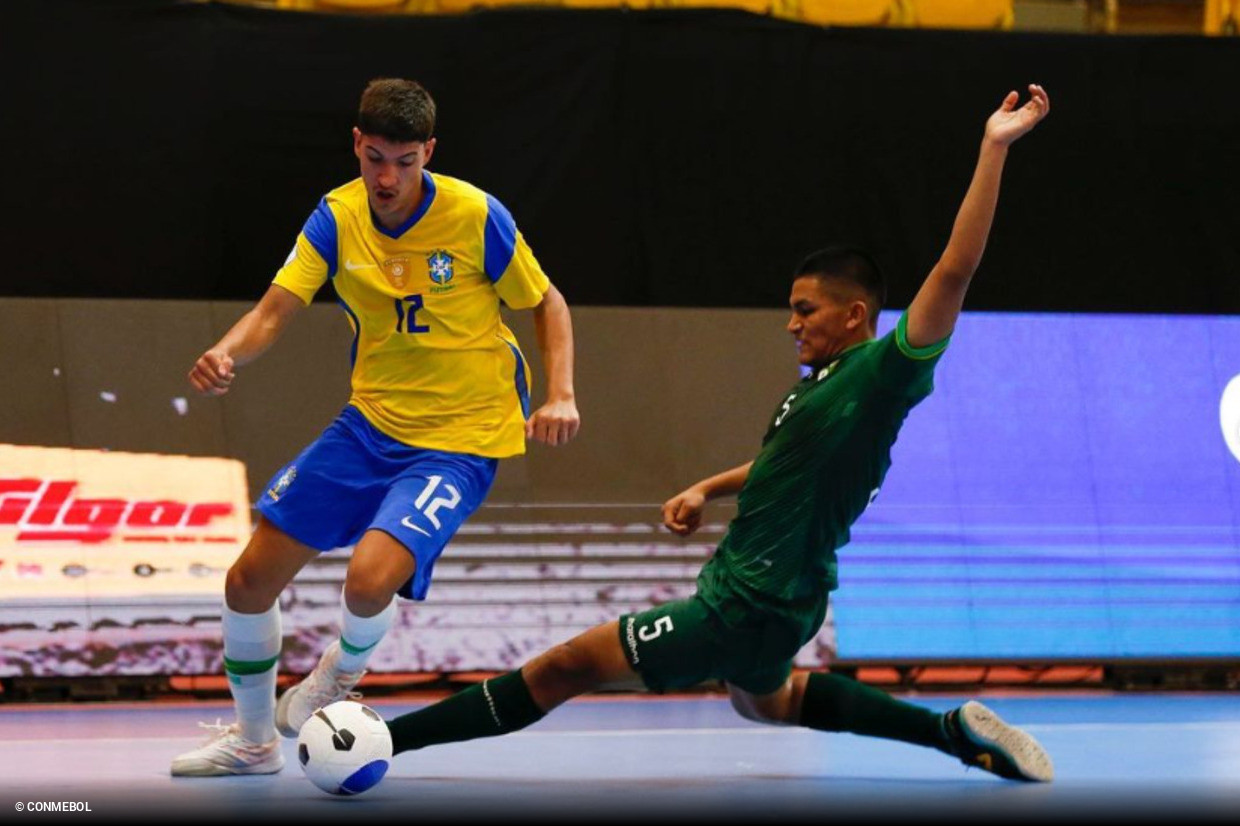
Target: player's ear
[357, 142]
[858, 314]
[428, 149]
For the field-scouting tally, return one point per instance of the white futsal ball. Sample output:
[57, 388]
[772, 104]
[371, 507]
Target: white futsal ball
[344, 748]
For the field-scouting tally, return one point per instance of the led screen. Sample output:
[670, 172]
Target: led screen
[1071, 489]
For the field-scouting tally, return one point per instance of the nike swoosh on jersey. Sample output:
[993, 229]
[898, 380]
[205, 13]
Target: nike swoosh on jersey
[412, 526]
[351, 267]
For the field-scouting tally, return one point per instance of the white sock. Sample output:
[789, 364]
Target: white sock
[360, 635]
[251, 659]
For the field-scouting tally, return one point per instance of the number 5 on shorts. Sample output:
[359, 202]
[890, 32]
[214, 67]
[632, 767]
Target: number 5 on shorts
[647, 633]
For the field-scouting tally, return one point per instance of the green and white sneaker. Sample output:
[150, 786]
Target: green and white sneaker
[226, 753]
[980, 738]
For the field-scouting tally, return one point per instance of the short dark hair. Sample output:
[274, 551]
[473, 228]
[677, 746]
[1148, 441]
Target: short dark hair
[852, 265]
[398, 110]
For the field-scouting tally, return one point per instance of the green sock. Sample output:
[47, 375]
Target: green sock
[835, 703]
[492, 707]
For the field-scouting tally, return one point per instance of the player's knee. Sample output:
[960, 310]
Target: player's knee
[366, 594]
[745, 708]
[760, 710]
[244, 592]
[570, 668]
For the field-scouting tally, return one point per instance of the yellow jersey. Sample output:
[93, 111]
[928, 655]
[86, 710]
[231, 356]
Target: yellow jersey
[434, 366]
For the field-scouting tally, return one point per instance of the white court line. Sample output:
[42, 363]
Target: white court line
[708, 732]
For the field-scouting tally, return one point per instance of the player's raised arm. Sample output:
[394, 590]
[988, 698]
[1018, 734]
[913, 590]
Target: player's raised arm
[932, 314]
[253, 333]
[557, 421]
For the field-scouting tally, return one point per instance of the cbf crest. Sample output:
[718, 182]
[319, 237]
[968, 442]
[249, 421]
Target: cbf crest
[277, 490]
[440, 266]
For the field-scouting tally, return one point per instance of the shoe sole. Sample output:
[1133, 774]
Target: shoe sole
[211, 770]
[986, 729]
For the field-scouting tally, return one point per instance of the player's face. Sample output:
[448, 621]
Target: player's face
[393, 174]
[823, 323]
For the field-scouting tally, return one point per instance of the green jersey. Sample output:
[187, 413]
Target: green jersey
[823, 459]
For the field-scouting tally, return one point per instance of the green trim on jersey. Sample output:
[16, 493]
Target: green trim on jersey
[927, 352]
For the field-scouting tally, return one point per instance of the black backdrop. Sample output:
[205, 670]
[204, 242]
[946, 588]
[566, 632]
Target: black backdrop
[156, 149]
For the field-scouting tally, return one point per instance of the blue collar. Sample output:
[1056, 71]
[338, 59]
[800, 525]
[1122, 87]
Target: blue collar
[428, 195]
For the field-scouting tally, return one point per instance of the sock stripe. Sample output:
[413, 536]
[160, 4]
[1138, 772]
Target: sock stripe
[350, 648]
[243, 667]
[491, 704]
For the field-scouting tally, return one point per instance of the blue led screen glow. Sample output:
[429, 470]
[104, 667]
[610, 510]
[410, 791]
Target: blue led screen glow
[1067, 491]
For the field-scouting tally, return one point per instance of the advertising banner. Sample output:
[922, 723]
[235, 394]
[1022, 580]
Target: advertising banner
[99, 550]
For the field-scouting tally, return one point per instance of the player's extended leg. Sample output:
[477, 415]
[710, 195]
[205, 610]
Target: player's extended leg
[429, 495]
[378, 568]
[591, 660]
[252, 638]
[829, 702]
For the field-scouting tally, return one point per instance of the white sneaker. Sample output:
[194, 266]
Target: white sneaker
[324, 686]
[227, 752]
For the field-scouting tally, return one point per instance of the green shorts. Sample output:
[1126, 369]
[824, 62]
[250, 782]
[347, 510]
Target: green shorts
[680, 644]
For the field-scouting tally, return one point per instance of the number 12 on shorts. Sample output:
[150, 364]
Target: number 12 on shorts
[428, 510]
[655, 630]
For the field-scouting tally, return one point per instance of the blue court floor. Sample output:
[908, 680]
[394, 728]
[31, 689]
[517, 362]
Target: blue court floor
[634, 759]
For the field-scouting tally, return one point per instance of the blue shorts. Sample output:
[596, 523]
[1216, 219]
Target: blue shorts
[354, 478]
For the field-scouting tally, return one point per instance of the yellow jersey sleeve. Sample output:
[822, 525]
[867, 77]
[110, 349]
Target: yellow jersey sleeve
[509, 262]
[313, 259]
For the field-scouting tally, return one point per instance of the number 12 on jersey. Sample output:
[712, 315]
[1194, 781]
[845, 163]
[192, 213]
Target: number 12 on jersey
[404, 317]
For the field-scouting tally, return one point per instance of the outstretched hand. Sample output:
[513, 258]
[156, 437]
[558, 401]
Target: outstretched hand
[1008, 123]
